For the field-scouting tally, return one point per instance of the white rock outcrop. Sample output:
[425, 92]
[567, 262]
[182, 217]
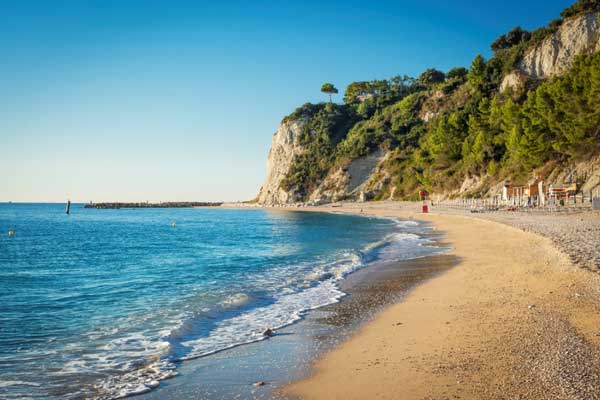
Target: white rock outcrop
[556, 53]
[284, 148]
[350, 180]
[339, 182]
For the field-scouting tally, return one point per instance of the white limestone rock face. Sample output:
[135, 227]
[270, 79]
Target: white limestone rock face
[283, 150]
[332, 188]
[350, 180]
[515, 80]
[555, 55]
[339, 183]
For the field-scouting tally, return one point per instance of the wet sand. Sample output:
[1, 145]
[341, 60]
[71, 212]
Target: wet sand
[515, 319]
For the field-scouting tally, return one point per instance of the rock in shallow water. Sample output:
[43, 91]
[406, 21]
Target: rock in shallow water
[268, 332]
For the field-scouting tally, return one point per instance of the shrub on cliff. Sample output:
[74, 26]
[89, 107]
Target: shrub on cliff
[430, 77]
[457, 73]
[387, 127]
[512, 38]
[372, 96]
[581, 7]
[325, 126]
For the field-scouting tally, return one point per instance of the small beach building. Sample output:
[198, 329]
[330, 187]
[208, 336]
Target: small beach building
[557, 193]
[521, 195]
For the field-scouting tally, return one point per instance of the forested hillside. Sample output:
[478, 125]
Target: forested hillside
[442, 129]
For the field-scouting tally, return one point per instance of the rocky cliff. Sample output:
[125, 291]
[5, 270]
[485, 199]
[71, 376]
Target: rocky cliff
[556, 53]
[284, 147]
[458, 136]
[349, 180]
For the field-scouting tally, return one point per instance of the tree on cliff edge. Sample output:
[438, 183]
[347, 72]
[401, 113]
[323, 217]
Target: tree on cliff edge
[329, 89]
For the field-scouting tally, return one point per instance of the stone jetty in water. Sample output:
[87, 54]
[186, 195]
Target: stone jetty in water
[170, 204]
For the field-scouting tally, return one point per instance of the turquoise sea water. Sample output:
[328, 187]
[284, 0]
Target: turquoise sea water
[107, 303]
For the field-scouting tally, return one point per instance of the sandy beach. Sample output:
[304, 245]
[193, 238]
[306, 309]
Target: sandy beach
[515, 319]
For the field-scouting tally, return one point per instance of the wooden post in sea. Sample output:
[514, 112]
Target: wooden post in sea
[68, 207]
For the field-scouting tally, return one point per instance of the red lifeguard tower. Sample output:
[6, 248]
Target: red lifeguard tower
[424, 197]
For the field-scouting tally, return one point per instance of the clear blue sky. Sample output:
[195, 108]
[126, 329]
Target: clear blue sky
[178, 100]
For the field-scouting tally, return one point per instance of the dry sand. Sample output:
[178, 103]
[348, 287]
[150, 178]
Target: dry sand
[513, 320]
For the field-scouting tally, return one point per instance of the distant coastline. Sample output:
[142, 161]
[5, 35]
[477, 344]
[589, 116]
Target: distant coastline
[173, 204]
